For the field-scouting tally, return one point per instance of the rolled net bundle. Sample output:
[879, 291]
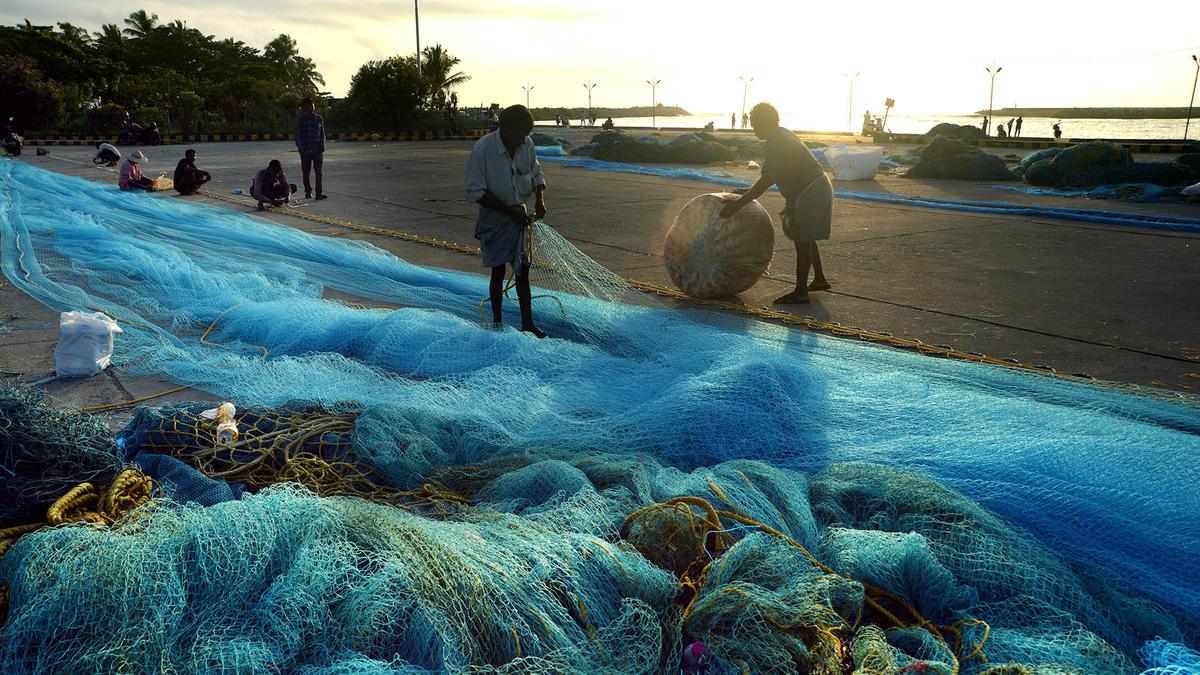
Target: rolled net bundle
[709, 256]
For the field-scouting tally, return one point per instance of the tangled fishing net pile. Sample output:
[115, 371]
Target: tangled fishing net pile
[651, 492]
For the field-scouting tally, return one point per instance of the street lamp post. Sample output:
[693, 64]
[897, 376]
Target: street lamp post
[527, 88]
[850, 110]
[653, 101]
[1193, 98]
[993, 72]
[417, 21]
[589, 85]
[745, 91]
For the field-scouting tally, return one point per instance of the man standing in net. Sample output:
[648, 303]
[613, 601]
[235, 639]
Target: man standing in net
[310, 141]
[806, 190]
[502, 175]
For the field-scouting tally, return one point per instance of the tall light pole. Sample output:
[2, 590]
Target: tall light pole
[527, 89]
[993, 72]
[850, 110]
[589, 85]
[1193, 98]
[745, 90]
[417, 21]
[653, 101]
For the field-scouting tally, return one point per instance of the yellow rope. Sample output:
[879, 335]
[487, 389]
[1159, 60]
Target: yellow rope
[107, 406]
[211, 326]
[83, 503]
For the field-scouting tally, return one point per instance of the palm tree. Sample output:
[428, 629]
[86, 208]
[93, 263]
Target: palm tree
[109, 35]
[298, 73]
[140, 24]
[437, 67]
[75, 34]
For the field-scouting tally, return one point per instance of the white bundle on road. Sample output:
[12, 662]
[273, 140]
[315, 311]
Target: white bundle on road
[85, 343]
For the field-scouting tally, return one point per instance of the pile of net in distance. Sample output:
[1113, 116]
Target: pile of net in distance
[44, 452]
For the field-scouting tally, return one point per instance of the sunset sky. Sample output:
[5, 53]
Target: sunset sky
[928, 55]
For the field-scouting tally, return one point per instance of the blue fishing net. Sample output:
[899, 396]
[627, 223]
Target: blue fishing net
[1063, 514]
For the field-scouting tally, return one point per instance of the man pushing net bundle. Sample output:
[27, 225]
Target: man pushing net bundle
[502, 175]
[806, 190]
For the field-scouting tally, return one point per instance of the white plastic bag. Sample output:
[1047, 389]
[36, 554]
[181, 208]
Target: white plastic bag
[850, 163]
[1192, 190]
[85, 343]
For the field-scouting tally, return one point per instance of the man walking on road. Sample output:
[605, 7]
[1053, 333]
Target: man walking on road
[310, 141]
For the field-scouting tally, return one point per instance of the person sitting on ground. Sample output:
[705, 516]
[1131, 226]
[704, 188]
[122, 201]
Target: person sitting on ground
[130, 177]
[502, 175]
[805, 189]
[188, 178]
[12, 142]
[608, 124]
[1000, 133]
[271, 186]
[106, 155]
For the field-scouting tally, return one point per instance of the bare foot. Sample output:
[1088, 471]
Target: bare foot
[821, 285]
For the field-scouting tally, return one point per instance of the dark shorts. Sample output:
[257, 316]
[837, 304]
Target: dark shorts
[500, 239]
[810, 216]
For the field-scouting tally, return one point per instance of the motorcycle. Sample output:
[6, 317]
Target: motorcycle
[133, 133]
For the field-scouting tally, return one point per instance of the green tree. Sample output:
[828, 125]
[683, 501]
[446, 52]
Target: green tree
[387, 94]
[437, 68]
[75, 35]
[109, 36]
[140, 24]
[29, 97]
[298, 73]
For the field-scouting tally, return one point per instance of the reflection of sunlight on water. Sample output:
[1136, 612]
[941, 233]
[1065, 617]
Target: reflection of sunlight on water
[824, 120]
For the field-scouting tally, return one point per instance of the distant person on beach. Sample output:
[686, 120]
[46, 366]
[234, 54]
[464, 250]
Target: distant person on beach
[188, 178]
[745, 120]
[1010, 126]
[710, 126]
[502, 175]
[13, 143]
[608, 124]
[106, 155]
[310, 141]
[271, 186]
[732, 120]
[1000, 132]
[806, 190]
[1020, 120]
[868, 126]
[130, 176]
[984, 126]
[1057, 129]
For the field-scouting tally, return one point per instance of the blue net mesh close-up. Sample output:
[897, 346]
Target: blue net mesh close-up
[474, 500]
